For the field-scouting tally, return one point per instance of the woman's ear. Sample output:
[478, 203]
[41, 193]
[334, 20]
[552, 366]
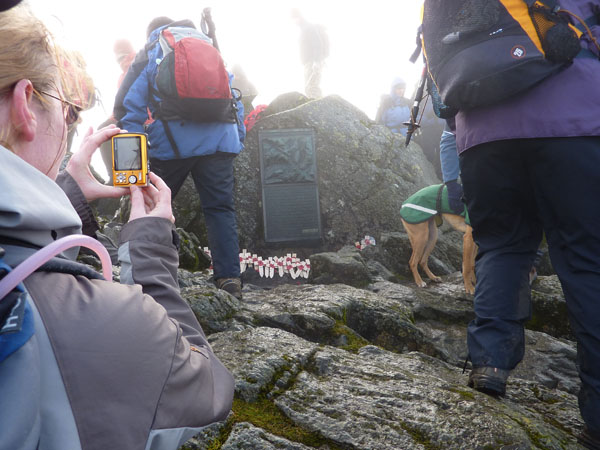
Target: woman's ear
[22, 116]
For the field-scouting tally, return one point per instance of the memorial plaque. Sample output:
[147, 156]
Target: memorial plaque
[290, 194]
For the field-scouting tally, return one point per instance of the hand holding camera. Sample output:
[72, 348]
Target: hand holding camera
[130, 168]
[130, 153]
[78, 165]
[153, 200]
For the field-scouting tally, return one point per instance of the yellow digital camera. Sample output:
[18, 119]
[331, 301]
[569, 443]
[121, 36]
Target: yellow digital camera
[130, 159]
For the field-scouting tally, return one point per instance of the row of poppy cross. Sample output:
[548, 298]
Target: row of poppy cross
[268, 267]
[290, 263]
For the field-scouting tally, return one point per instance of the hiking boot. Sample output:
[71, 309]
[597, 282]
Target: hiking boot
[489, 380]
[589, 439]
[231, 285]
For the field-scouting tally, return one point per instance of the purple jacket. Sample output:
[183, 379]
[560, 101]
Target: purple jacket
[564, 105]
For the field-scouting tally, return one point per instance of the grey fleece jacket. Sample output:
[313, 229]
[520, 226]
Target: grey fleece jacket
[110, 366]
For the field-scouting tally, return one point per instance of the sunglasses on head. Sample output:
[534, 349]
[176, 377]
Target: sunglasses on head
[72, 109]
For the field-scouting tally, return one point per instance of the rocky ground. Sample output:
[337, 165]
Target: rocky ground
[333, 366]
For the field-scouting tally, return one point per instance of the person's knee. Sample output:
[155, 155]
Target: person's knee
[455, 194]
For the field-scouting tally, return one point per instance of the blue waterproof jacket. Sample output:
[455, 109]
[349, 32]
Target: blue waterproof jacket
[396, 110]
[395, 117]
[192, 138]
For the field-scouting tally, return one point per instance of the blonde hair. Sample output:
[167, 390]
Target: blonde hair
[78, 86]
[28, 51]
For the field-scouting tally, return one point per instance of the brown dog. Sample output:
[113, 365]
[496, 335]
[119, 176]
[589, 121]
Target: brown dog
[423, 237]
[419, 214]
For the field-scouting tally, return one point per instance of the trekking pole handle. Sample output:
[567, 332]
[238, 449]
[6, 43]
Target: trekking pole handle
[35, 261]
[412, 126]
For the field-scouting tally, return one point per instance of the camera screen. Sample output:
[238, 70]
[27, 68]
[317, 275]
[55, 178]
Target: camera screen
[128, 153]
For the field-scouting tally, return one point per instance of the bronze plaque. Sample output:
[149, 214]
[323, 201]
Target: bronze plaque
[290, 194]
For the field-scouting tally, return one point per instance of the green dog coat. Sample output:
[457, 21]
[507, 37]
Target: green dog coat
[428, 202]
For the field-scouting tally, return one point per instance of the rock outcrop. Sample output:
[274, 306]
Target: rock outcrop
[364, 174]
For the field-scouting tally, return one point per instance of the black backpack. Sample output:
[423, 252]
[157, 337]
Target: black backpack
[479, 52]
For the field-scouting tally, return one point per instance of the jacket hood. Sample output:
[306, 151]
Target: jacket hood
[33, 208]
[186, 23]
[398, 81]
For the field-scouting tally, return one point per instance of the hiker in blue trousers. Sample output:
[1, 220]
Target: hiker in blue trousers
[450, 166]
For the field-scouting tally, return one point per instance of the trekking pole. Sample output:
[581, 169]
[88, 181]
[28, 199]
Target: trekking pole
[412, 123]
[208, 27]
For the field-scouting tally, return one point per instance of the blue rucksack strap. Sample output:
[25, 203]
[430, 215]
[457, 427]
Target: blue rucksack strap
[16, 318]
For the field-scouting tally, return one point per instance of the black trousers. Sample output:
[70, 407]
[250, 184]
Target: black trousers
[515, 190]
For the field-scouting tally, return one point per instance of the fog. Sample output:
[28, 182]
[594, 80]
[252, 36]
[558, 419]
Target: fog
[370, 43]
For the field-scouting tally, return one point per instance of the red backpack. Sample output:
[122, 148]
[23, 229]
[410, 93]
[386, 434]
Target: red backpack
[254, 116]
[192, 82]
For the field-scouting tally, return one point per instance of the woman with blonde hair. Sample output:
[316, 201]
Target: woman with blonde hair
[87, 363]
